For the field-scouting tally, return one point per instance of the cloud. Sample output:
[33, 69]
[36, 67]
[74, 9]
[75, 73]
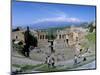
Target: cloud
[72, 19]
[60, 17]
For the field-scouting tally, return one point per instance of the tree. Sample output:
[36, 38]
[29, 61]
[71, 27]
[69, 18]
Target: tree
[17, 29]
[51, 36]
[30, 39]
[34, 41]
[91, 27]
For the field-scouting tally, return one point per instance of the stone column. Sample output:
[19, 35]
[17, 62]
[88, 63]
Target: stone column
[57, 36]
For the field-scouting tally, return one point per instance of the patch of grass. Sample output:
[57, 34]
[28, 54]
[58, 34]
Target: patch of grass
[26, 67]
[91, 37]
[51, 69]
[16, 65]
[29, 67]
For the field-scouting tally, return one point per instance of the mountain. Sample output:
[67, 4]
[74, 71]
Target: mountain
[53, 24]
[45, 25]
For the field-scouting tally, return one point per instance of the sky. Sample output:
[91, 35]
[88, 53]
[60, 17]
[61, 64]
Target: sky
[25, 13]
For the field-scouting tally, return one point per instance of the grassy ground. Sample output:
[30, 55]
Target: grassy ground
[91, 37]
[89, 41]
[51, 69]
[26, 67]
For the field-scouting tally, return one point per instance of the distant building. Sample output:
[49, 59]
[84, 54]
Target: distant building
[18, 35]
[73, 34]
[42, 35]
